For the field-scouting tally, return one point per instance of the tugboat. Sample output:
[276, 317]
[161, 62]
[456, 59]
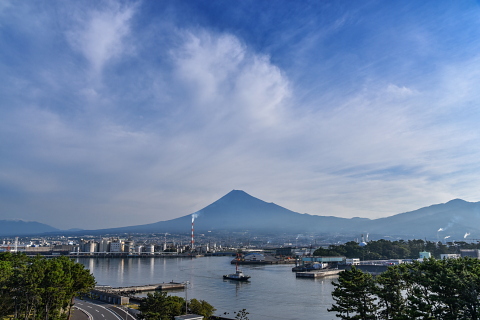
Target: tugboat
[238, 275]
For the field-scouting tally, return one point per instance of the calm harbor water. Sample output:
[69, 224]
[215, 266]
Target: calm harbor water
[272, 293]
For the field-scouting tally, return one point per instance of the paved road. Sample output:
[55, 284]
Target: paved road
[91, 310]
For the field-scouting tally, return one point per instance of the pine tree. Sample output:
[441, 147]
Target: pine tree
[389, 290]
[160, 306]
[201, 307]
[353, 296]
[40, 288]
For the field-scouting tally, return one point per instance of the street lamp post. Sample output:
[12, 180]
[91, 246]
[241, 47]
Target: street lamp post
[186, 296]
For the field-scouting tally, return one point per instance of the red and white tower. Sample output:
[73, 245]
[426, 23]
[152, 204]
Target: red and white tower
[193, 241]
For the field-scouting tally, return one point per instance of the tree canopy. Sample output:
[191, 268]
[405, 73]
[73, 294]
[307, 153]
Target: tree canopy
[353, 295]
[433, 289]
[40, 288]
[400, 249]
[201, 307]
[160, 306]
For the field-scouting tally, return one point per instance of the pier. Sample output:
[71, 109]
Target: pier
[149, 287]
[123, 295]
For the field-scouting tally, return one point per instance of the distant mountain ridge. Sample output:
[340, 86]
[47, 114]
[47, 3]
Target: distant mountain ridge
[20, 228]
[239, 211]
[456, 219]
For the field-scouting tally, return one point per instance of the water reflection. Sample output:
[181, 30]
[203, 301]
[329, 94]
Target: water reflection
[272, 292]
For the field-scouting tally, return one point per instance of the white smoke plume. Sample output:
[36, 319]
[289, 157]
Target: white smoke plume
[453, 221]
[195, 215]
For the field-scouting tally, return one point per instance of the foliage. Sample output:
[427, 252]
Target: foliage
[242, 315]
[353, 295]
[384, 249]
[201, 307]
[40, 288]
[433, 289]
[389, 289]
[160, 306]
[6, 273]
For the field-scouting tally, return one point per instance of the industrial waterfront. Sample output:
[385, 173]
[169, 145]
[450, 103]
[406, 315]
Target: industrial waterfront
[273, 292]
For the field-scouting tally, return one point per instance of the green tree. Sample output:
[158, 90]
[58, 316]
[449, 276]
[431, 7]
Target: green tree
[424, 299]
[384, 249]
[353, 296]
[82, 281]
[353, 250]
[444, 289]
[201, 307]
[6, 302]
[467, 285]
[40, 288]
[432, 289]
[389, 290]
[160, 306]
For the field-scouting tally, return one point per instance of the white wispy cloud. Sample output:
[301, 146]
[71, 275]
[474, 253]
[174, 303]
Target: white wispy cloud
[99, 34]
[226, 79]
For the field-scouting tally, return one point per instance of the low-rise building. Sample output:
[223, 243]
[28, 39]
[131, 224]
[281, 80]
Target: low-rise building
[473, 253]
[254, 256]
[323, 259]
[450, 256]
[425, 255]
[352, 261]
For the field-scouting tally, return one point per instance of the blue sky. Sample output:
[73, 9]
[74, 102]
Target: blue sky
[124, 113]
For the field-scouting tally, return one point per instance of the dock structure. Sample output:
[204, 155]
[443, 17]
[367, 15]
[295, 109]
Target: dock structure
[123, 295]
[149, 287]
[317, 274]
